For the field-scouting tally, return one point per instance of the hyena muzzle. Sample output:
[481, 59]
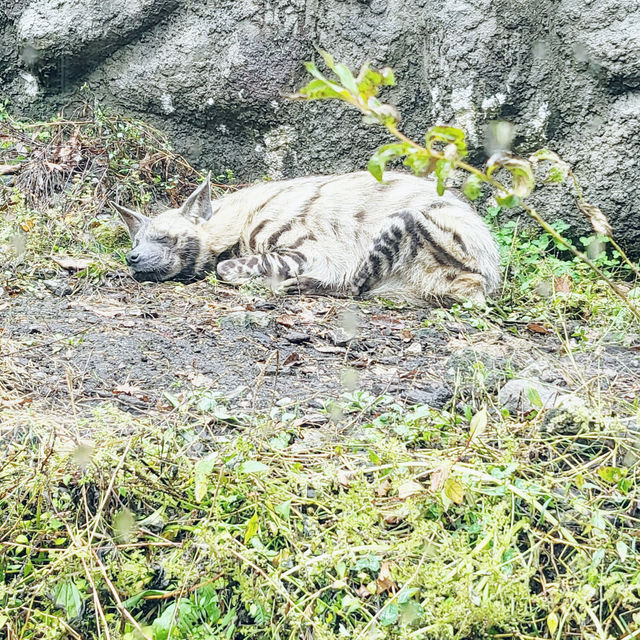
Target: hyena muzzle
[334, 235]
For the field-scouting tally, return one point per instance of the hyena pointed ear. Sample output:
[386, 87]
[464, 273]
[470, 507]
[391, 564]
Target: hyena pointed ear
[197, 206]
[131, 218]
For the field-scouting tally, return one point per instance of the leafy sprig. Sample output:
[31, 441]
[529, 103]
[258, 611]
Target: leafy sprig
[445, 150]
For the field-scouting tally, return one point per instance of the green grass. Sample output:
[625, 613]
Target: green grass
[415, 528]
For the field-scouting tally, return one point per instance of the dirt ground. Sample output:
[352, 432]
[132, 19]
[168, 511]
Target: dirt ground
[74, 344]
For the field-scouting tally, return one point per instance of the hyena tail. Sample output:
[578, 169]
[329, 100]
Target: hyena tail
[406, 233]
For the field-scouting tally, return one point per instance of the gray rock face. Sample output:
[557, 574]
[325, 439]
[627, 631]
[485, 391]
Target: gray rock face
[214, 75]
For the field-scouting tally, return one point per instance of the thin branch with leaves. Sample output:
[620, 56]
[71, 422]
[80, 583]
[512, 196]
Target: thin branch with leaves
[444, 151]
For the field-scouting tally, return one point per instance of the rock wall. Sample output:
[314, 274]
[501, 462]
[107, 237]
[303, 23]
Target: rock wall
[214, 75]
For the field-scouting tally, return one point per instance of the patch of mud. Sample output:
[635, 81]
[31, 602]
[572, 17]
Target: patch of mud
[134, 344]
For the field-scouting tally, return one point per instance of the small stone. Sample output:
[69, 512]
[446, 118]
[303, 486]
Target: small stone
[517, 394]
[340, 337]
[435, 396]
[57, 287]
[414, 349]
[297, 337]
[246, 319]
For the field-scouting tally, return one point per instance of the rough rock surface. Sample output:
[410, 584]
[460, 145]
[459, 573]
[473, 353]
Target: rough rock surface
[567, 73]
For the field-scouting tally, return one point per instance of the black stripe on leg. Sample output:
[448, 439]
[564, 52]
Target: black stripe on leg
[441, 255]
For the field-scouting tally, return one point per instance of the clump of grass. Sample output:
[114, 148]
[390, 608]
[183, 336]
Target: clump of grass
[507, 530]
[60, 175]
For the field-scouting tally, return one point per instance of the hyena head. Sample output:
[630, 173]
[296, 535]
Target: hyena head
[171, 245]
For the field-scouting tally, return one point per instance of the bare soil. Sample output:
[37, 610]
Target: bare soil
[73, 344]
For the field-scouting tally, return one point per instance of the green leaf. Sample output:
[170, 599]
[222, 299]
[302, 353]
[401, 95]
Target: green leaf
[447, 135]
[411, 612]
[443, 169]
[534, 397]
[370, 80]
[66, 595]
[384, 154]
[622, 549]
[370, 562]
[202, 470]
[317, 90]
[284, 509]
[556, 175]
[612, 475]
[422, 163]
[133, 601]
[508, 202]
[478, 424]
[253, 524]
[162, 625]
[346, 78]
[559, 170]
[552, 622]
[454, 490]
[472, 187]
[258, 613]
[389, 615]
[328, 58]
[253, 466]
[523, 180]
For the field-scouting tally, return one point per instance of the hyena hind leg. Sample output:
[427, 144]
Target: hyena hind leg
[467, 287]
[274, 268]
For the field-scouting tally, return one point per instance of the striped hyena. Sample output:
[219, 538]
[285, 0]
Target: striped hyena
[334, 235]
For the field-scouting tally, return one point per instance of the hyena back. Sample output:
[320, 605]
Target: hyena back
[335, 235]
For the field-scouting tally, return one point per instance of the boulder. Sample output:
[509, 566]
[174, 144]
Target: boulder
[215, 76]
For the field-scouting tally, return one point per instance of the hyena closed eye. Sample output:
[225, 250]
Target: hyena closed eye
[334, 235]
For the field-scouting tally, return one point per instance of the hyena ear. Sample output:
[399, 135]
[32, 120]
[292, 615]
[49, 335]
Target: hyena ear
[197, 207]
[131, 218]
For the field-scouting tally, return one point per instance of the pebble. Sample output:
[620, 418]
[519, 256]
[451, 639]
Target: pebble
[57, 287]
[246, 319]
[435, 396]
[297, 337]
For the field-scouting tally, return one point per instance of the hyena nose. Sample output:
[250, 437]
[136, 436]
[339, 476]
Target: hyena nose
[133, 257]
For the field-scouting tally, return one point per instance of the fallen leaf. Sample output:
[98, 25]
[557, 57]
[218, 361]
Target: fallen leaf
[454, 490]
[286, 320]
[409, 488]
[72, 264]
[130, 390]
[394, 518]
[562, 284]
[9, 168]
[344, 477]
[27, 225]
[292, 359]
[311, 420]
[537, 328]
[439, 476]
[478, 424]
[363, 592]
[384, 580]
[108, 311]
[383, 488]
[406, 335]
[325, 348]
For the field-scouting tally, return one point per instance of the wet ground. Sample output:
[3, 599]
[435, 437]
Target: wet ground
[74, 344]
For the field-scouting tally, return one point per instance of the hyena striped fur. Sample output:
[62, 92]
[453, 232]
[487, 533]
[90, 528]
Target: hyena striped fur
[335, 235]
